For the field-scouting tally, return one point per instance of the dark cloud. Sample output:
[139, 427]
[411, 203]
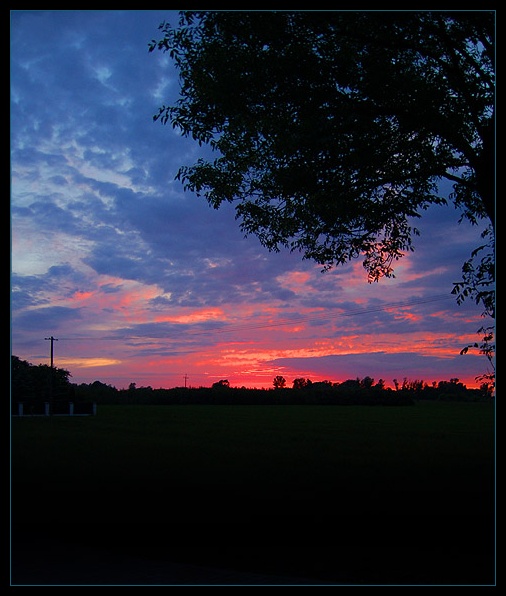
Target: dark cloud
[57, 271]
[21, 299]
[49, 318]
[36, 290]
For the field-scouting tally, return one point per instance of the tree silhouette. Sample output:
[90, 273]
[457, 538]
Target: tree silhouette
[301, 383]
[279, 382]
[33, 385]
[333, 130]
[223, 384]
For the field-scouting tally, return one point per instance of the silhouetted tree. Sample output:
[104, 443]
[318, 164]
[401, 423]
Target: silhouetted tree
[301, 383]
[333, 129]
[366, 382]
[34, 385]
[350, 385]
[380, 384]
[223, 384]
[279, 382]
[97, 392]
[487, 390]
[322, 384]
[22, 381]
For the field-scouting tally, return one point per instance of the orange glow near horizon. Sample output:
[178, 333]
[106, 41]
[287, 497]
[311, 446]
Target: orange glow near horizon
[253, 339]
[247, 364]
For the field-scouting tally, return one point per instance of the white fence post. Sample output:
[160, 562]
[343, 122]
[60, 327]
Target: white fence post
[94, 409]
[71, 409]
[20, 409]
[46, 408]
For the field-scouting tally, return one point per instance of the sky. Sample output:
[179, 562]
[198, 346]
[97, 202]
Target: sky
[141, 282]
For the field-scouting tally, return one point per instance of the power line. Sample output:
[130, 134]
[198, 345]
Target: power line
[320, 316]
[254, 326]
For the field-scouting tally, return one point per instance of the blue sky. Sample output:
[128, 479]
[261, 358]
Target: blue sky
[142, 282]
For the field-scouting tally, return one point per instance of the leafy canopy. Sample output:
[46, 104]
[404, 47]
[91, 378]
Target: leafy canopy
[333, 130]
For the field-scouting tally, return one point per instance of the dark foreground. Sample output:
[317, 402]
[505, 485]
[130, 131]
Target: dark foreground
[358, 549]
[52, 556]
[248, 496]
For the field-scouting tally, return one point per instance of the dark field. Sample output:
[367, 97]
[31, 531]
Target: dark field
[336, 494]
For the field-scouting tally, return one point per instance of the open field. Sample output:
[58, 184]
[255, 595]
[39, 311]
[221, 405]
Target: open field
[282, 476]
[256, 449]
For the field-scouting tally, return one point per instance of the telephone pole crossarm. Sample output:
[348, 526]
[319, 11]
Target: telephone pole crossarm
[52, 340]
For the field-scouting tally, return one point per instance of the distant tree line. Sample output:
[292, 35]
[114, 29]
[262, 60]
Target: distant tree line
[35, 385]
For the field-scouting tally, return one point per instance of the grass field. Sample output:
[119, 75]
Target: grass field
[284, 472]
[259, 450]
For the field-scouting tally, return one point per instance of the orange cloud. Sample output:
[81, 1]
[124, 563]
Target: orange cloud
[82, 295]
[196, 316]
[86, 362]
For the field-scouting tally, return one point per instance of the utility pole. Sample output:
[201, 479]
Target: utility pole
[52, 340]
[185, 379]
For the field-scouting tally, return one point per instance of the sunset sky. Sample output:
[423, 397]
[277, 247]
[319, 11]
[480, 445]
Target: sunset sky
[143, 283]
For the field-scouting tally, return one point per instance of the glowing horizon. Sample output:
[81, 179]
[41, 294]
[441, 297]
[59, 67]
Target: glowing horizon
[265, 349]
